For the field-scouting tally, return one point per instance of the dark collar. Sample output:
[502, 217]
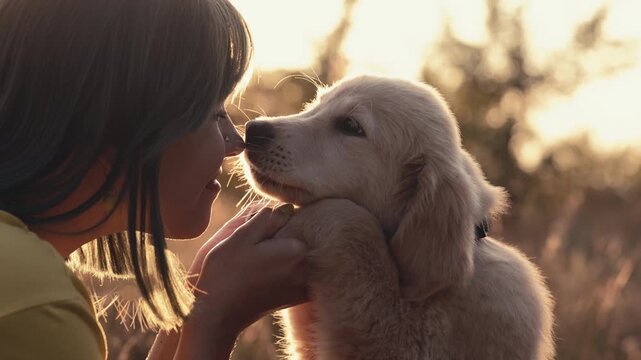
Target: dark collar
[481, 230]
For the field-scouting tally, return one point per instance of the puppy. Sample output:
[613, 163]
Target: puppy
[394, 211]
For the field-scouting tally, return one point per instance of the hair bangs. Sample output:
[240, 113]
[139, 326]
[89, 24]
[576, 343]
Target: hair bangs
[236, 52]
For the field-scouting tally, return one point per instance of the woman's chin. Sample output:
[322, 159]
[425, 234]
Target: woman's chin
[190, 225]
[188, 231]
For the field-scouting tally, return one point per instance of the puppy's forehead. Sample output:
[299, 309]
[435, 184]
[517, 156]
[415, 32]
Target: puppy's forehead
[360, 87]
[405, 108]
[338, 101]
[379, 89]
[337, 95]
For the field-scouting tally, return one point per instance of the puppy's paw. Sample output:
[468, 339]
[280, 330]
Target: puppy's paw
[337, 220]
[328, 221]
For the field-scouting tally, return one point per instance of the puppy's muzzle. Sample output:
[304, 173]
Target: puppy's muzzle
[259, 134]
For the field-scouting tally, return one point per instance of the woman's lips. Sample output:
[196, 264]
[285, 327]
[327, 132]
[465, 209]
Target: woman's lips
[213, 184]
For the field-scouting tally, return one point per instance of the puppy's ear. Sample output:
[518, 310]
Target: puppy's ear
[434, 241]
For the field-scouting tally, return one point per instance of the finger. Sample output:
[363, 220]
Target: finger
[266, 223]
[283, 248]
[232, 224]
[240, 218]
[251, 209]
[223, 233]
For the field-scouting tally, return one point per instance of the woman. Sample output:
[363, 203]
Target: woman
[112, 125]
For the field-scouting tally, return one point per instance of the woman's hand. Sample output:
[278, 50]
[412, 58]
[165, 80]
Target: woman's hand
[223, 233]
[244, 277]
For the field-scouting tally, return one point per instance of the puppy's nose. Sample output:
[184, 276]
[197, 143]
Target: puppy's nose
[258, 133]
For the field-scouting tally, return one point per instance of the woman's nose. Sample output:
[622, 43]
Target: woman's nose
[234, 143]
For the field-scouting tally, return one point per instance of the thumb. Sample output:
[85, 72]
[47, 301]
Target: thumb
[265, 223]
[240, 218]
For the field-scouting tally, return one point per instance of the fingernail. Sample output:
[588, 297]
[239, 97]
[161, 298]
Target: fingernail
[286, 209]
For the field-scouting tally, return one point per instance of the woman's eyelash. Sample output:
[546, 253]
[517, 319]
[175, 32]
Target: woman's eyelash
[221, 115]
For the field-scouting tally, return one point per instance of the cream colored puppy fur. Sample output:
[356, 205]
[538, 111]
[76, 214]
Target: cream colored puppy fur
[389, 203]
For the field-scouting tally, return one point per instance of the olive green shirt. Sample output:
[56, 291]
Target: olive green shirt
[45, 311]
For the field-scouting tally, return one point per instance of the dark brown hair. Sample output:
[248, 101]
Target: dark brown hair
[78, 77]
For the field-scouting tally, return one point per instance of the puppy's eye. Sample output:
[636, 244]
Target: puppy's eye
[349, 126]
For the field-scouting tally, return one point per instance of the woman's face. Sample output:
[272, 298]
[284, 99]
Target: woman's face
[188, 169]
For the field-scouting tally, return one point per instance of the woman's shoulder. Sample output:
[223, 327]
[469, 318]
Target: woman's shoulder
[32, 272]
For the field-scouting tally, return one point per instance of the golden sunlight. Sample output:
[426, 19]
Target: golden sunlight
[395, 41]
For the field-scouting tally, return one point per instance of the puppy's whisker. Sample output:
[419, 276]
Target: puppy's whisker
[241, 130]
[302, 76]
[247, 195]
[268, 139]
[253, 197]
[284, 79]
[241, 111]
[317, 79]
[240, 174]
[238, 166]
[310, 80]
[259, 112]
[229, 180]
[262, 111]
[259, 151]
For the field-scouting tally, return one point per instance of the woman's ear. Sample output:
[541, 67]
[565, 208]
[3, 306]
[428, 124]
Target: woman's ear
[434, 241]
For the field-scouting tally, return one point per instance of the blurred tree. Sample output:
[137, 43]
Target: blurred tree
[331, 62]
[491, 87]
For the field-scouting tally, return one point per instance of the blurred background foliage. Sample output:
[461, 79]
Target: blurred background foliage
[576, 212]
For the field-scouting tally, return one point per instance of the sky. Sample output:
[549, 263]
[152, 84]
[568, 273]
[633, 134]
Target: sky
[288, 32]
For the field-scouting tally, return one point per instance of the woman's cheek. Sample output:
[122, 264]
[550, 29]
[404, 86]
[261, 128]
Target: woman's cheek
[187, 167]
[186, 217]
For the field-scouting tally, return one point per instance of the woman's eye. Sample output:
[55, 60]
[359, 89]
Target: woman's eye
[349, 126]
[222, 115]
